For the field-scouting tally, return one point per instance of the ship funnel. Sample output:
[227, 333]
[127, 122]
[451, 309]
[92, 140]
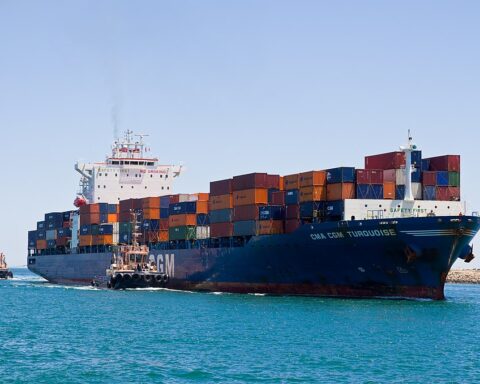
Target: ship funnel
[408, 149]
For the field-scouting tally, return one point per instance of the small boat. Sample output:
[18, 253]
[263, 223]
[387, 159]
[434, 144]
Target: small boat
[4, 272]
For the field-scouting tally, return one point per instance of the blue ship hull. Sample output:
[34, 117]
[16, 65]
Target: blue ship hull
[408, 257]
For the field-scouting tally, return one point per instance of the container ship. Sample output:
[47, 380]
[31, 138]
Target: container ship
[393, 228]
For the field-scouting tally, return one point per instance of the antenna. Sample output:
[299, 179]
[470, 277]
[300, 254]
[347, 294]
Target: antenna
[114, 117]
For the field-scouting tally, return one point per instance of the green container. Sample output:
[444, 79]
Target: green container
[182, 233]
[454, 179]
[95, 229]
[125, 227]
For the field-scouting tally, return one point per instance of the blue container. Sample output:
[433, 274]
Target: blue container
[41, 225]
[417, 159]
[270, 193]
[442, 178]
[41, 234]
[85, 229]
[64, 232]
[183, 208]
[417, 176]
[429, 192]
[54, 220]
[164, 201]
[271, 212]
[66, 215]
[369, 191]
[341, 175]
[400, 192]
[51, 244]
[105, 229]
[125, 237]
[103, 207]
[245, 228]
[312, 209]
[425, 165]
[334, 208]
[221, 215]
[203, 219]
[103, 218]
[291, 197]
[112, 208]
[32, 239]
[164, 213]
[150, 225]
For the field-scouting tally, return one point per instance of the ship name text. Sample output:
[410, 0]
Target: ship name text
[354, 234]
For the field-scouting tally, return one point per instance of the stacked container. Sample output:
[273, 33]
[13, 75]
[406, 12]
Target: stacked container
[340, 186]
[292, 202]
[221, 208]
[312, 194]
[184, 216]
[370, 184]
[441, 178]
[252, 213]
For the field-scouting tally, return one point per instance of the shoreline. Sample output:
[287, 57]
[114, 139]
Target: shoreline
[464, 276]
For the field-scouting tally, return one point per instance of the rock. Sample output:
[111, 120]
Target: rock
[464, 276]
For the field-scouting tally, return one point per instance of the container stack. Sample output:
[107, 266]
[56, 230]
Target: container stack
[441, 178]
[370, 184]
[154, 215]
[98, 224]
[393, 166]
[252, 213]
[221, 208]
[340, 186]
[312, 194]
[184, 216]
[292, 202]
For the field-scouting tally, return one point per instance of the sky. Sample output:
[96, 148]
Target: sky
[228, 87]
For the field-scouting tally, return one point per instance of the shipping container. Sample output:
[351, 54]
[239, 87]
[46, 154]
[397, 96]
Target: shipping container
[340, 191]
[335, 209]
[341, 175]
[292, 197]
[447, 193]
[164, 202]
[454, 179]
[271, 191]
[64, 232]
[369, 176]
[271, 227]
[278, 198]
[41, 225]
[429, 178]
[202, 206]
[105, 229]
[416, 191]
[429, 192]
[113, 208]
[271, 212]
[174, 199]
[103, 208]
[51, 234]
[41, 234]
[292, 211]
[245, 228]
[250, 181]
[311, 209]
[246, 212]
[220, 187]
[291, 225]
[62, 241]
[221, 202]
[221, 216]
[202, 232]
[51, 244]
[250, 197]
[273, 182]
[390, 160]
[389, 190]
[185, 197]
[415, 177]
[112, 218]
[221, 230]
[442, 179]
[67, 215]
[182, 220]
[445, 163]
[183, 208]
[291, 182]
[41, 244]
[85, 229]
[425, 165]
[312, 178]
[390, 175]
[203, 219]
[85, 240]
[164, 213]
[314, 193]
[151, 203]
[32, 239]
[182, 233]
[369, 191]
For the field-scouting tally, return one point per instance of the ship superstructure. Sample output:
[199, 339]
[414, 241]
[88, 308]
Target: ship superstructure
[128, 172]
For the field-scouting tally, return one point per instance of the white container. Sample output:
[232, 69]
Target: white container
[51, 234]
[203, 232]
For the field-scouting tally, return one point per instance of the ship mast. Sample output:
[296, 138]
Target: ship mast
[407, 150]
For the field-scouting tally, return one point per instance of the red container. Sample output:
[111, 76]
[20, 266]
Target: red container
[292, 212]
[448, 193]
[291, 225]
[273, 181]
[221, 230]
[369, 176]
[250, 181]
[390, 175]
[163, 224]
[278, 198]
[429, 178]
[89, 209]
[150, 202]
[245, 212]
[291, 182]
[220, 187]
[449, 163]
[174, 199]
[62, 241]
[391, 160]
[128, 204]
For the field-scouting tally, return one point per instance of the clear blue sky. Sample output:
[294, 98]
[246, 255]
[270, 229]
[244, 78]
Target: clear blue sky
[228, 87]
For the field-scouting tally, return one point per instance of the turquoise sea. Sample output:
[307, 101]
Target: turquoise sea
[58, 334]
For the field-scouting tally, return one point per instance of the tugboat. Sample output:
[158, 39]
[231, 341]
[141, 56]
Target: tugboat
[4, 272]
[130, 267]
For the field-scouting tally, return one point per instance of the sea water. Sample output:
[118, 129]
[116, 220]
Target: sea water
[60, 334]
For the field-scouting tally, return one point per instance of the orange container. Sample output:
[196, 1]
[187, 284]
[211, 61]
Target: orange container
[308, 179]
[202, 206]
[163, 235]
[270, 227]
[112, 218]
[340, 191]
[291, 182]
[180, 220]
[221, 202]
[389, 190]
[203, 196]
[151, 202]
[250, 197]
[85, 240]
[314, 193]
[41, 244]
[281, 184]
[62, 241]
[92, 218]
[89, 208]
[151, 214]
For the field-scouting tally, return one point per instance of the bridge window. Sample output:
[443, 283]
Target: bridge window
[168, 187]
[161, 176]
[98, 186]
[162, 188]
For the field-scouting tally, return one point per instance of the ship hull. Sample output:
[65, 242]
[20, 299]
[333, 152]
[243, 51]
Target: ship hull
[407, 257]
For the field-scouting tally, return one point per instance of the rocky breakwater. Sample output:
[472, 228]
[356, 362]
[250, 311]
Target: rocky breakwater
[464, 276]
